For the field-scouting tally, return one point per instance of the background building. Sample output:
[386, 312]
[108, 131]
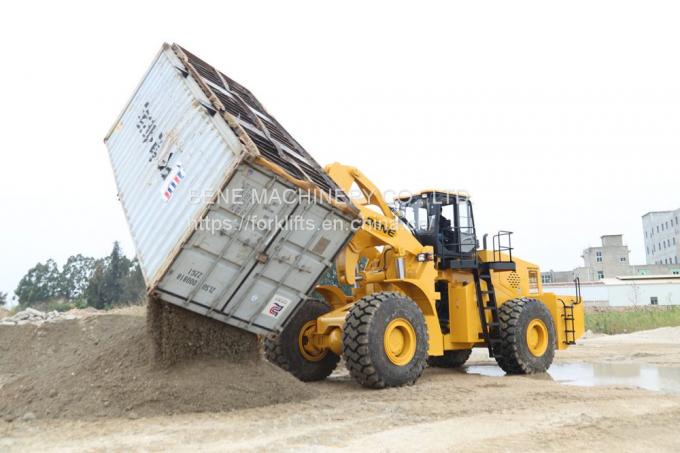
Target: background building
[628, 291]
[610, 260]
[662, 237]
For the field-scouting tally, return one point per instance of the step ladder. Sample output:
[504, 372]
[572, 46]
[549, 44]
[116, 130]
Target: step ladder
[569, 328]
[486, 302]
[568, 315]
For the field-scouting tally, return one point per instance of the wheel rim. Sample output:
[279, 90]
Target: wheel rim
[537, 337]
[400, 341]
[307, 348]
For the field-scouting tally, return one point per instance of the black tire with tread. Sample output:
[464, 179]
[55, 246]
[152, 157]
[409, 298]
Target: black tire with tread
[284, 352]
[515, 316]
[363, 340]
[450, 359]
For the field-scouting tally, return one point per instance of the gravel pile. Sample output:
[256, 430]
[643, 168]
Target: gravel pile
[177, 335]
[32, 316]
[108, 365]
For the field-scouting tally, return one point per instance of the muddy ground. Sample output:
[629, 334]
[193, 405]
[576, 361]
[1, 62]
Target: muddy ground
[444, 411]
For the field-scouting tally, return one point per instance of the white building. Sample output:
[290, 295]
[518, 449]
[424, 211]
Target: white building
[625, 291]
[662, 237]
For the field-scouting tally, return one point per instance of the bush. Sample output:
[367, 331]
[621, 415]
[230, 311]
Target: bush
[59, 306]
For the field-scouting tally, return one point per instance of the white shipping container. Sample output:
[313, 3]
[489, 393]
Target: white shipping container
[216, 195]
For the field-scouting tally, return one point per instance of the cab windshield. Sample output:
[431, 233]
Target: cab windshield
[415, 213]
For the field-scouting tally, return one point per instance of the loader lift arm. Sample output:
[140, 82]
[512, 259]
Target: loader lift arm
[380, 226]
[394, 258]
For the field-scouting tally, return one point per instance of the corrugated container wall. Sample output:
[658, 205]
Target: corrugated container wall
[231, 218]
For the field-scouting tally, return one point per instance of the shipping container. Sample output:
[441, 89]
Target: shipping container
[230, 217]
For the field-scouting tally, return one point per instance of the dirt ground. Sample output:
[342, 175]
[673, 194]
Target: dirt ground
[445, 411]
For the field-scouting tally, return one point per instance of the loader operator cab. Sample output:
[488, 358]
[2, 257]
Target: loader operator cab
[443, 220]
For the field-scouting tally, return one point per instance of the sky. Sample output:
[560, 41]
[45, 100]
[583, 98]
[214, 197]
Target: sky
[561, 119]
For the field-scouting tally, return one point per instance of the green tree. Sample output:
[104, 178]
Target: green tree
[41, 283]
[115, 280]
[96, 293]
[101, 283]
[3, 299]
[117, 270]
[75, 276]
[133, 284]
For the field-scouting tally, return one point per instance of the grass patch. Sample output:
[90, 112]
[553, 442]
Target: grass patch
[614, 321]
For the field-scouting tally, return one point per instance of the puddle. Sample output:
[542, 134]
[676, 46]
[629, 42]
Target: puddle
[645, 376]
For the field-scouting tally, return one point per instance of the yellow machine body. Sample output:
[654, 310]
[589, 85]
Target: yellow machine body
[384, 255]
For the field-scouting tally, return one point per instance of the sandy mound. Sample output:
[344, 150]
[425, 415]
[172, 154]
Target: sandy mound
[103, 366]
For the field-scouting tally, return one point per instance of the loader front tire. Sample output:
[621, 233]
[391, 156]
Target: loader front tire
[450, 359]
[288, 352]
[527, 337]
[385, 341]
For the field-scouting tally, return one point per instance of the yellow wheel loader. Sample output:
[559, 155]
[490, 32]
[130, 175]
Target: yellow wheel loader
[424, 292]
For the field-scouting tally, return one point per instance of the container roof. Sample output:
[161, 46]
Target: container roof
[270, 138]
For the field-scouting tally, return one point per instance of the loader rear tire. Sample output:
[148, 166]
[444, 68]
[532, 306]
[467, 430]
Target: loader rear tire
[385, 341]
[527, 337]
[450, 359]
[286, 350]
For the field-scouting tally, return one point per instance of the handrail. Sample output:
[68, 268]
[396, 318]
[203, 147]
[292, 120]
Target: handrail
[577, 284]
[499, 248]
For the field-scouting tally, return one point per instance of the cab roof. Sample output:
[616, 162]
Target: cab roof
[426, 192]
